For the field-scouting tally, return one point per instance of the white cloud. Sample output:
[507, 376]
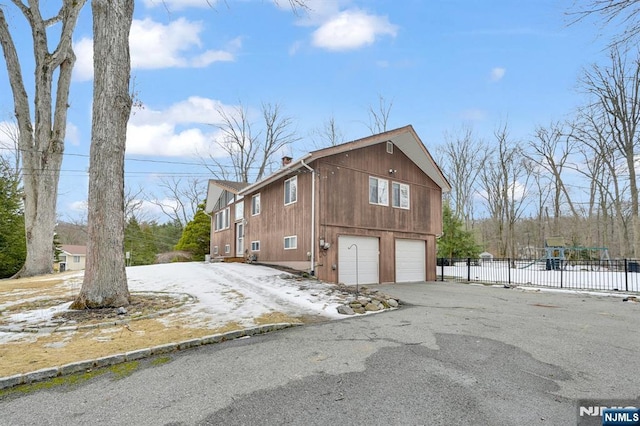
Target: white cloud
[172, 5]
[79, 206]
[352, 29]
[185, 129]
[165, 141]
[8, 135]
[155, 45]
[497, 74]
[83, 68]
[194, 110]
[517, 191]
[73, 134]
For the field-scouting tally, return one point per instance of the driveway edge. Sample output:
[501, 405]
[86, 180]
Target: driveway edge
[80, 366]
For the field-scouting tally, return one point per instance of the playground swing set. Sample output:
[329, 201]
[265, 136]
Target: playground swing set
[557, 254]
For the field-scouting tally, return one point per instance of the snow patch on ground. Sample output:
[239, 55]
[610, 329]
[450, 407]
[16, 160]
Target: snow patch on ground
[225, 292]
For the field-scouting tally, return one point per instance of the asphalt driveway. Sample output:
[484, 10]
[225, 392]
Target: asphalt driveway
[454, 354]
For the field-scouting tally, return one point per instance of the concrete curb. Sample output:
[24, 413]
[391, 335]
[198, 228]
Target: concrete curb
[80, 366]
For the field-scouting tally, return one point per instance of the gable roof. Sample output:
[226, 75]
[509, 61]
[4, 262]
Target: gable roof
[404, 138]
[216, 187]
[74, 250]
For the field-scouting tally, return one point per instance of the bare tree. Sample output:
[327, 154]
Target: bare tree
[41, 142]
[621, 13]
[505, 182]
[328, 135]
[605, 169]
[250, 152]
[105, 278]
[550, 150]
[180, 198]
[379, 115]
[10, 146]
[463, 156]
[615, 91]
[133, 203]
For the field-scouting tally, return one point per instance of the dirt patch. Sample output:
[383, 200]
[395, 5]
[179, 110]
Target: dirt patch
[276, 317]
[140, 306]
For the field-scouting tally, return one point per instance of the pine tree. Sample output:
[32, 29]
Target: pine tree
[13, 249]
[139, 241]
[456, 241]
[196, 235]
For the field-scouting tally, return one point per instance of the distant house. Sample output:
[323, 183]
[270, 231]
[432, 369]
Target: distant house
[72, 258]
[366, 211]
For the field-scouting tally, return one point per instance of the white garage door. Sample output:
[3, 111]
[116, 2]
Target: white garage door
[368, 259]
[410, 261]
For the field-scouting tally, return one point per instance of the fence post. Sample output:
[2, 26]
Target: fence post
[442, 270]
[468, 269]
[561, 268]
[509, 269]
[626, 275]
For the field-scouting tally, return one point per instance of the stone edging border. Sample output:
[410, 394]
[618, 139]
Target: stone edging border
[80, 366]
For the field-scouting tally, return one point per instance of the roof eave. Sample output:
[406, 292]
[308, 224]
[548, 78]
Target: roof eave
[294, 165]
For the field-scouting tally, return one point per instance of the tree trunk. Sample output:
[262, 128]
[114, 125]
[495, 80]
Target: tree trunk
[105, 278]
[41, 147]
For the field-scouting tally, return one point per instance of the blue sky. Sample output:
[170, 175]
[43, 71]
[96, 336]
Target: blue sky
[442, 64]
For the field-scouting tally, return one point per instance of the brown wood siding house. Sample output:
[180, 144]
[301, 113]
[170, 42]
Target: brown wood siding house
[367, 211]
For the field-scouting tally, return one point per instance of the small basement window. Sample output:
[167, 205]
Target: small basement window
[291, 242]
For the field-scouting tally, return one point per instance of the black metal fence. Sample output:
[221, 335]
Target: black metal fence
[612, 275]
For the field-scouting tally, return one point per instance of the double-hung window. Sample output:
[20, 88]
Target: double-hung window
[400, 195]
[239, 210]
[291, 190]
[222, 219]
[378, 191]
[255, 205]
[255, 245]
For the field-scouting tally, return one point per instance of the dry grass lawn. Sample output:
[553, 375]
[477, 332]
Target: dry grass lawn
[35, 351]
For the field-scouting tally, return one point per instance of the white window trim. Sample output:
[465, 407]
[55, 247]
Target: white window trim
[253, 243]
[389, 147]
[215, 249]
[293, 238]
[369, 191]
[292, 179]
[238, 210]
[400, 206]
[255, 211]
[227, 248]
[225, 213]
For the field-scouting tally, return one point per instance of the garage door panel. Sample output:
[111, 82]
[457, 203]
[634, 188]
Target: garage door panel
[368, 260]
[410, 260]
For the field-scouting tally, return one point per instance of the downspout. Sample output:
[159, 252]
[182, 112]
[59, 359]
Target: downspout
[211, 229]
[313, 217]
